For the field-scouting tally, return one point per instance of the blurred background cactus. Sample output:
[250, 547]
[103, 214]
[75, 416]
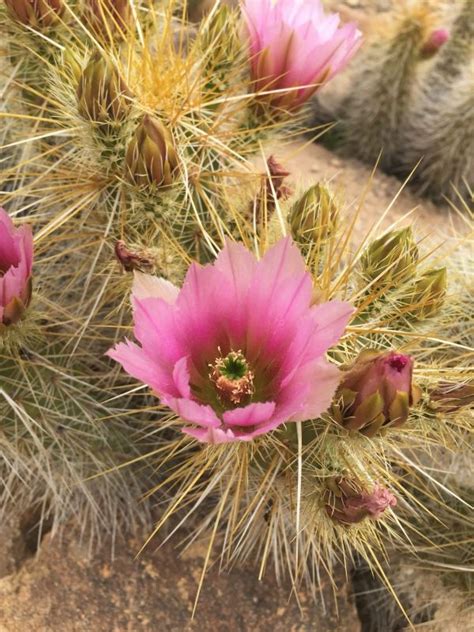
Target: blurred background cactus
[408, 99]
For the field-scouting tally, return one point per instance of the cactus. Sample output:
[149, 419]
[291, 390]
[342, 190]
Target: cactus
[440, 133]
[137, 161]
[375, 109]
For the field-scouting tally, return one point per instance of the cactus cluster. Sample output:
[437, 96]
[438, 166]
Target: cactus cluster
[133, 133]
[410, 99]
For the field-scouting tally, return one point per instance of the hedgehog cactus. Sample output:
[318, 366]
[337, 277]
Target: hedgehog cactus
[255, 427]
[440, 133]
[375, 109]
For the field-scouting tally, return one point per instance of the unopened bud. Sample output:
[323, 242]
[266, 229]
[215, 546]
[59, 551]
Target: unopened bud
[221, 45]
[377, 392]
[107, 17]
[434, 43]
[347, 502]
[313, 219]
[428, 294]
[449, 397]
[391, 259]
[102, 94]
[151, 157]
[36, 13]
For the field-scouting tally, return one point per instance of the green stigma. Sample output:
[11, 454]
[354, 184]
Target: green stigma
[232, 378]
[234, 366]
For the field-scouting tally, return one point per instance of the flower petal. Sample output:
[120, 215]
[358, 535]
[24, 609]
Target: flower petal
[181, 377]
[157, 330]
[331, 321]
[193, 412]
[141, 366]
[316, 383]
[149, 286]
[251, 415]
[211, 435]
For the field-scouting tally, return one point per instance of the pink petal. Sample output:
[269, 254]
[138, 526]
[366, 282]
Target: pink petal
[157, 330]
[181, 377]
[238, 266]
[211, 435]
[331, 321]
[193, 412]
[9, 255]
[142, 367]
[316, 383]
[149, 286]
[251, 415]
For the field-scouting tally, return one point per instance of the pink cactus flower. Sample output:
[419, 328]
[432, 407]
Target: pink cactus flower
[16, 262]
[295, 48]
[239, 349]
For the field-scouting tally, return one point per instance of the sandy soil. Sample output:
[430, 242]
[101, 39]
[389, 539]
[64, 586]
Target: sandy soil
[63, 589]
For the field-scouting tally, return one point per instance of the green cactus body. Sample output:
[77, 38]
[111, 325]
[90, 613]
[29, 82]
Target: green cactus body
[374, 111]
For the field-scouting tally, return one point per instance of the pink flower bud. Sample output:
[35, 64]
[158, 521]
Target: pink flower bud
[435, 41]
[347, 502]
[16, 261]
[378, 391]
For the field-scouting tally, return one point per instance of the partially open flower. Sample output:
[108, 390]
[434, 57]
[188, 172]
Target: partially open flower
[35, 13]
[295, 48]
[16, 261]
[347, 502]
[377, 392]
[239, 349]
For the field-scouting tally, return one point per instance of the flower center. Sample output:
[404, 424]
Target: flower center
[398, 362]
[233, 378]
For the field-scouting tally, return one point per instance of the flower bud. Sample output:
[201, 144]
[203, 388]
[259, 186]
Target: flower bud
[221, 46]
[102, 93]
[35, 13]
[377, 392]
[16, 261]
[151, 158]
[449, 397]
[106, 17]
[346, 501]
[436, 40]
[313, 219]
[428, 294]
[391, 259]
